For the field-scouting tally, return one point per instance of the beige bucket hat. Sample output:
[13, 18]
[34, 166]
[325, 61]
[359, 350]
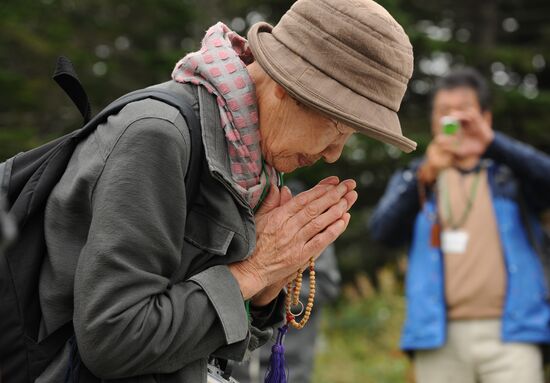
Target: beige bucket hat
[346, 58]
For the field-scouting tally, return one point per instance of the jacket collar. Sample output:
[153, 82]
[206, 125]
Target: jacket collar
[213, 137]
[215, 143]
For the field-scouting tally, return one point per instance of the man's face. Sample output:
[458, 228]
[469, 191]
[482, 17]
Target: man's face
[448, 102]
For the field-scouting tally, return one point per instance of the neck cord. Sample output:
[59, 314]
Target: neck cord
[444, 187]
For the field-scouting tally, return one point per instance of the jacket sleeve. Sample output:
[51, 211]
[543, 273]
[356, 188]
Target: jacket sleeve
[263, 322]
[393, 218]
[129, 320]
[530, 166]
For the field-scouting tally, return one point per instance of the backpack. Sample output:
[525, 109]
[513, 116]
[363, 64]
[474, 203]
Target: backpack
[27, 180]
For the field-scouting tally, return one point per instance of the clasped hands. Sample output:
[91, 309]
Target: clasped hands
[289, 231]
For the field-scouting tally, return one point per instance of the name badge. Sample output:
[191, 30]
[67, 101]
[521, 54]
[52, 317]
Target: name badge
[454, 241]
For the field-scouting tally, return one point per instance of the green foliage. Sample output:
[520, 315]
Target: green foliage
[361, 337]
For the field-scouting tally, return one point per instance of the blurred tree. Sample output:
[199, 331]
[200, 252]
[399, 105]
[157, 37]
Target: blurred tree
[118, 46]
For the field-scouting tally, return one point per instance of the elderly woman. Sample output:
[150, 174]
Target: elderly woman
[156, 288]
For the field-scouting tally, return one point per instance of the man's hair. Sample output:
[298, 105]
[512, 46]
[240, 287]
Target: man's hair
[466, 77]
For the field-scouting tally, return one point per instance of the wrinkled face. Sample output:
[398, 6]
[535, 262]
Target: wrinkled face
[294, 135]
[447, 102]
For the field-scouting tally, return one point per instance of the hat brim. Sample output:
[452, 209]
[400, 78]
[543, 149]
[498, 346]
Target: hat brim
[317, 90]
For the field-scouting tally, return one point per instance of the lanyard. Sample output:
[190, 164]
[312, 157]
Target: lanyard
[280, 183]
[444, 187]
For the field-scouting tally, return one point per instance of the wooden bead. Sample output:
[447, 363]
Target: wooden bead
[297, 287]
[293, 296]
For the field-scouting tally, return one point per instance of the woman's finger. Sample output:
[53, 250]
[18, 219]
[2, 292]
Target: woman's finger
[315, 246]
[346, 218]
[320, 223]
[303, 199]
[271, 201]
[286, 195]
[314, 208]
[351, 197]
[328, 217]
[332, 180]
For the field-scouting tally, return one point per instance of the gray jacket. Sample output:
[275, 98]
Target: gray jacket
[142, 276]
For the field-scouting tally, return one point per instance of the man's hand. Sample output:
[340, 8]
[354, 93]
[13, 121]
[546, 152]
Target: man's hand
[474, 136]
[471, 141]
[437, 159]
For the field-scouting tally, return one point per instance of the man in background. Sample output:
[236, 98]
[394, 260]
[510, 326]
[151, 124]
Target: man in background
[476, 295]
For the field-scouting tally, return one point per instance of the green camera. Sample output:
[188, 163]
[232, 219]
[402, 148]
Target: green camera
[450, 125]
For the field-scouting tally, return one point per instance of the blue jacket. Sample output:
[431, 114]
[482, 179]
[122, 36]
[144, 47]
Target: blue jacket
[515, 170]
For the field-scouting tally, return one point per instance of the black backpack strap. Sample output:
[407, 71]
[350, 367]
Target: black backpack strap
[65, 76]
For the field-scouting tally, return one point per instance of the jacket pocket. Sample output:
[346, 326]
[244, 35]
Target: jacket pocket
[207, 234]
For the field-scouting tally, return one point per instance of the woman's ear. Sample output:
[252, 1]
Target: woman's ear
[280, 92]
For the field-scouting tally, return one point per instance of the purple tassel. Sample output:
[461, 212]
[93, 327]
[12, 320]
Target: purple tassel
[276, 371]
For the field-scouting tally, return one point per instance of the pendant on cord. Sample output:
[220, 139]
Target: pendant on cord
[276, 371]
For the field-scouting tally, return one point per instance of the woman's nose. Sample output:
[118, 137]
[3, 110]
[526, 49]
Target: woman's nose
[333, 152]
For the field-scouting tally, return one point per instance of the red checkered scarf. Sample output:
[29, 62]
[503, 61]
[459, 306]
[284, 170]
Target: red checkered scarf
[220, 66]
